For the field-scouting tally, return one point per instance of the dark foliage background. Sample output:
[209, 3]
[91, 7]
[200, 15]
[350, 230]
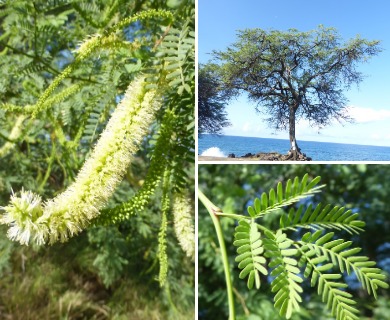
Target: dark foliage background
[212, 100]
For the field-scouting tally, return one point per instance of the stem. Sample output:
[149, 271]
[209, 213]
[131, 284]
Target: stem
[50, 164]
[213, 210]
[232, 216]
[239, 217]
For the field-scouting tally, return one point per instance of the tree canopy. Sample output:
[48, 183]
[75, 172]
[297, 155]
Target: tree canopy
[212, 117]
[295, 75]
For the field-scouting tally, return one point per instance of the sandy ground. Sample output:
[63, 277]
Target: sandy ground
[207, 158]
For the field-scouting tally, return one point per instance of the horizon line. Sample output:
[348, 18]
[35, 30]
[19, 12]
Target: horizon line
[355, 144]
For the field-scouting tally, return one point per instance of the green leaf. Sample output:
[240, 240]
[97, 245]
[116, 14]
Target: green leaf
[307, 213]
[333, 243]
[260, 268]
[251, 211]
[241, 242]
[325, 267]
[289, 252]
[290, 261]
[249, 249]
[257, 205]
[285, 244]
[264, 200]
[244, 248]
[259, 259]
[306, 237]
[288, 189]
[313, 183]
[251, 279]
[248, 268]
[295, 188]
[272, 198]
[303, 183]
[245, 262]
[325, 238]
[243, 256]
[286, 281]
[280, 192]
[292, 269]
[254, 245]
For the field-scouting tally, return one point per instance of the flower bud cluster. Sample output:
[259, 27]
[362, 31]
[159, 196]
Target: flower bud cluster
[71, 211]
[183, 224]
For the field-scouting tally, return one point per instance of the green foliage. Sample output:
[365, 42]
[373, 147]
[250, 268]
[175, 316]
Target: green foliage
[250, 248]
[335, 251]
[322, 217]
[287, 281]
[6, 248]
[294, 192]
[314, 255]
[212, 117]
[65, 66]
[111, 258]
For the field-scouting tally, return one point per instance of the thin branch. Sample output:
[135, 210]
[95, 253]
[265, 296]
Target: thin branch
[213, 210]
[43, 62]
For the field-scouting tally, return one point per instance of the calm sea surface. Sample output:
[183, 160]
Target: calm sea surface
[213, 145]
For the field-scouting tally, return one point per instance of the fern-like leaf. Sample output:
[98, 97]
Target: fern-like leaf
[332, 292]
[286, 283]
[314, 256]
[158, 166]
[322, 217]
[339, 253]
[294, 191]
[250, 249]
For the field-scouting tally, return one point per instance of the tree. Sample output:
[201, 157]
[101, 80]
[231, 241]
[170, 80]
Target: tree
[295, 74]
[97, 139]
[212, 117]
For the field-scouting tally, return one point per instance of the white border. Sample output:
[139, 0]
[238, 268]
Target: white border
[196, 163]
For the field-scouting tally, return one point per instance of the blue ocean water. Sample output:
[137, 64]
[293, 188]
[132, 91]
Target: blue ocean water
[318, 151]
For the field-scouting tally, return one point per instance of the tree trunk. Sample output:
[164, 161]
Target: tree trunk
[295, 151]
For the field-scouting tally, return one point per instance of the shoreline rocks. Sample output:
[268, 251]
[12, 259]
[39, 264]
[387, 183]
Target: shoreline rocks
[275, 156]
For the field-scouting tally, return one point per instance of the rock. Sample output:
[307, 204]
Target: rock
[248, 155]
[275, 156]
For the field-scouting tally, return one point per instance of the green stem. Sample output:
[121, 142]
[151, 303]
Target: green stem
[239, 217]
[48, 171]
[233, 216]
[213, 211]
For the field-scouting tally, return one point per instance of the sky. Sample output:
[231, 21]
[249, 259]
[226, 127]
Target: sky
[369, 104]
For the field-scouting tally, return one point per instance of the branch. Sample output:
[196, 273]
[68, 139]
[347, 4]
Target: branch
[213, 210]
[43, 62]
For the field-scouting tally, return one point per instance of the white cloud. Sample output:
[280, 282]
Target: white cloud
[370, 127]
[247, 127]
[376, 136]
[362, 115]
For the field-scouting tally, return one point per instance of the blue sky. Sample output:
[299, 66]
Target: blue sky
[369, 104]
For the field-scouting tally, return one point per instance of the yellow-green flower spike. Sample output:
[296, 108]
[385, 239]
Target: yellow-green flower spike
[107, 40]
[71, 211]
[184, 228]
[162, 235]
[14, 134]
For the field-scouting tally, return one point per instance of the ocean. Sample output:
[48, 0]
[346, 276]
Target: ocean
[213, 145]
